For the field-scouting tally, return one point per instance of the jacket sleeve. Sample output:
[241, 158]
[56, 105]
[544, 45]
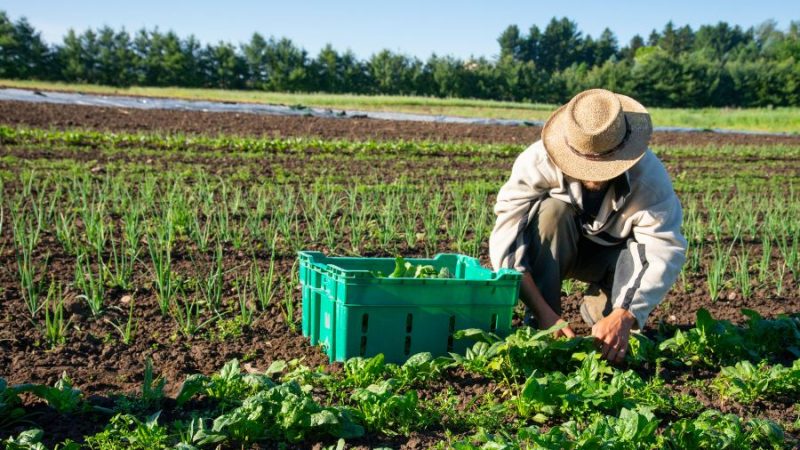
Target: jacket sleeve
[656, 254]
[516, 203]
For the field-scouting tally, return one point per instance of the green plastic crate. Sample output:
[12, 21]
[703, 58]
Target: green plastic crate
[350, 312]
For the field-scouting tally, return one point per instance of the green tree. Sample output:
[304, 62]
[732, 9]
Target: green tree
[116, 61]
[222, 67]
[531, 47]
[560, 45]
[510, 43]
[70, 57]
[596, 52]
[355, 73]
[164, 59]
[719, 65]
[676, 41]
[612, 75]
[394, 73]
[788, 44]
[334, 72]
[628, 52]
[23, 53]
[255, 58]
[607, 46]
[446, 76]
[78, 57]
[721, 38]
[653, 75]
[287, 66]
[276, 65]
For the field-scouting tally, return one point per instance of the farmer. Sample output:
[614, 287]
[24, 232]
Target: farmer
[590, 201]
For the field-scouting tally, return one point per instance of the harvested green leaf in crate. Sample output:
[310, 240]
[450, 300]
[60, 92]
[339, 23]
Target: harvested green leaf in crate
[405, 269]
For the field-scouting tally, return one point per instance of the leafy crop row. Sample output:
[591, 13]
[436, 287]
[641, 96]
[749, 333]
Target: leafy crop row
[558, 383]
[10, 135]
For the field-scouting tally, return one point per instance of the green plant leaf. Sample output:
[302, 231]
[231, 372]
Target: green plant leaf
[192, 385]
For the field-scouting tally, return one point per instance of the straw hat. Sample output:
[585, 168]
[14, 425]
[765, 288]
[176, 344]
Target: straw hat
[598, 135]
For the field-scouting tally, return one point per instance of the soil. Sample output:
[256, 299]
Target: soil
[133, 120]
[101, 366]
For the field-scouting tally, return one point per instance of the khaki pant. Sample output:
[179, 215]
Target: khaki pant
[558, 250]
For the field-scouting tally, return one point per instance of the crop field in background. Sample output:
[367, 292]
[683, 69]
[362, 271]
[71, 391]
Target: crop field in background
[778, 120]
[149, 295]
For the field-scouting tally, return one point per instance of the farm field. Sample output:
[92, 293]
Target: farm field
[776, 120]
[148, 265]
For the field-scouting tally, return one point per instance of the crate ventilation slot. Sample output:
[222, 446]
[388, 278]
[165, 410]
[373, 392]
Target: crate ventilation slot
[451, 329]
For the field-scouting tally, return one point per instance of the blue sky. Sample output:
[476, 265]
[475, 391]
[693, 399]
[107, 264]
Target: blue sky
[459, 28]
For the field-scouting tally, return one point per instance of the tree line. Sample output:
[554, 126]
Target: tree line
[715, 65]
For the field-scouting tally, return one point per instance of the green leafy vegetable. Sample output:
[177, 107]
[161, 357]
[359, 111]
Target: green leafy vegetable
[405, 269]
[127, 431]
[62, 397]
[383, 410]
[282, 413]
[229, 386]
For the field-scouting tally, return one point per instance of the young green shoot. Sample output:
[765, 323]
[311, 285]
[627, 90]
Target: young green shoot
[766, 258]
[741, 274]
[789, 246]
[780, 273]
[212, 283]
[55, 328]
[163, 278]
[289, 286]
[717, 268]
[246, 306]
[263, 283]
[91, 283]
[127, 330]
[187, 315]
[31, 288]
[65, 232]
[123, 260]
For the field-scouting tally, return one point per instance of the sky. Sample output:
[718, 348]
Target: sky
[458, 28]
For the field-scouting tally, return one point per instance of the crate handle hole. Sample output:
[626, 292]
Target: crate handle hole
[363, 349]
[407, 349]
[493, 323]
[409, 322]
[364, 323]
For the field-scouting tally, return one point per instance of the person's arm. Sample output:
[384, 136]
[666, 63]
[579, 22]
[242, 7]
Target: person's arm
[531, 178]
[658, 253]
[545, 316]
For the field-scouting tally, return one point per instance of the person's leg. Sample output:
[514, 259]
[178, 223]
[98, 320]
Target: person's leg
[596, 264]
[553, 248]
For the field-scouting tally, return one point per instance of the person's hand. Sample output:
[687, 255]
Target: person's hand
[612, 334]
[544, 314]
[551, 319]
[564, 332]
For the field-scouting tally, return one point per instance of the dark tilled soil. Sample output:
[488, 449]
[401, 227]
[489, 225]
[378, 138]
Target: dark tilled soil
[99, 363]
[101, 366]
[118, 119]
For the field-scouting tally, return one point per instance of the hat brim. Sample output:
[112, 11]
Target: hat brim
[599, 170]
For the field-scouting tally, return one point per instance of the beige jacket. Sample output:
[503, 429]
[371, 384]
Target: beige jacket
[648, 217]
